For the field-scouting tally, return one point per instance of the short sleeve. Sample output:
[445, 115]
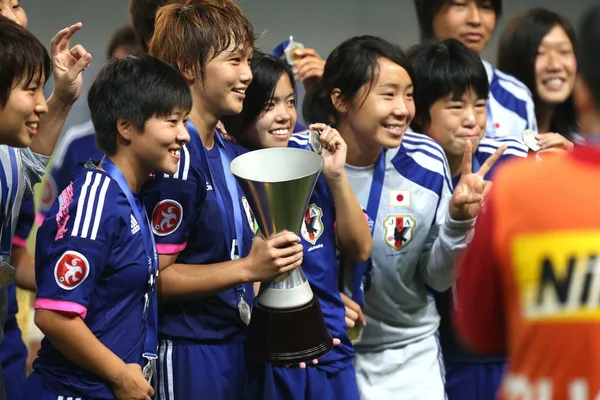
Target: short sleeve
[73, 246]
[34, 167]
[172, 202]
[77, 147]
[300, 141]
[24, 222]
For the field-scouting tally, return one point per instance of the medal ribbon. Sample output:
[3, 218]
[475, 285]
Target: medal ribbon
[151, 343]
[231, 236]
[362, 270]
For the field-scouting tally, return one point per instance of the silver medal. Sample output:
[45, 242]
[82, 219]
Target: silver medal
[315, 141]
[7, 274]
[147, 371]
[289, 51]
[244, 310]
[530, 140]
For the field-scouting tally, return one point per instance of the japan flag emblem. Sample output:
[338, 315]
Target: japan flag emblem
[166, 217]
[71, 270]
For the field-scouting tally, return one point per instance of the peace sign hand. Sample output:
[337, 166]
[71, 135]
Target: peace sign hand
[68, 65]
[472, 189]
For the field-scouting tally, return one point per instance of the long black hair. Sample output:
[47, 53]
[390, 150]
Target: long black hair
[517, 54]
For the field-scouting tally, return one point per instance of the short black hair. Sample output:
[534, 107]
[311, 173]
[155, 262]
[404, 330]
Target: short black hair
[444, 68]
[22, 58]
[266, 72]
[517, 54]
[428, 9]
[135, 88]
[349, 67]
[588, 58]
[126, 38]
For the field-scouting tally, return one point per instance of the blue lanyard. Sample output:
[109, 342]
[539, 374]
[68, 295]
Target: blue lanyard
[7, 206]
[233, 193]
[151, 343]
[362, 269]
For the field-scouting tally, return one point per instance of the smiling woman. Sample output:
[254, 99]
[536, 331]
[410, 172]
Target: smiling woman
[269, 113]
[537, 48]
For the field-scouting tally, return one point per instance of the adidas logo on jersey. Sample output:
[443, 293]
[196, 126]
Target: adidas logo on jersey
[208, 186]
[135, 227]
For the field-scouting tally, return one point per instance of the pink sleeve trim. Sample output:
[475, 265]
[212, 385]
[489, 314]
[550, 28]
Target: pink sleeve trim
[170, 248]
[58, 305]
[39, 218]
[19, 241]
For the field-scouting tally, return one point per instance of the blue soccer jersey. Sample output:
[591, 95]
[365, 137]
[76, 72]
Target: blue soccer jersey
[510, 105]
[90, 260]
[187, 219]
[320, 266]
[24, 225]
[77, 146]
[13, 352]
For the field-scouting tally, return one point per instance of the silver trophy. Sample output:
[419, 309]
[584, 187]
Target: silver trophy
[287, 325]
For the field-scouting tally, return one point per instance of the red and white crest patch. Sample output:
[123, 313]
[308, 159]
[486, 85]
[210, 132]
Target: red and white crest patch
[399, 230]
[71, 270]
[49, 192]
[166, 217]
[312, 224]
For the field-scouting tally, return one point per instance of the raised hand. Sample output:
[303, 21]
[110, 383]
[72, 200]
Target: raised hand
[334, 151]
[553, 142]
[471, 190]
[68, 65]
[308, 66]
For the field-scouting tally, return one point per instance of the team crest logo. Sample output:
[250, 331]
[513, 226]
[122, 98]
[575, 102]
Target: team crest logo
[250, 215]
[166, 217]
[71, 270]
[312, 226]
[49, 192]
[399, 230]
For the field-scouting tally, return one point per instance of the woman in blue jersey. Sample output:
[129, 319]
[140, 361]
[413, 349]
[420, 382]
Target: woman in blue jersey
[209, 256]
[96, 262]
[537, 47]
[267, 120]
[418, 224]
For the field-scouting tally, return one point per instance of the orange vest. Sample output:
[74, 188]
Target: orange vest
[546, 243]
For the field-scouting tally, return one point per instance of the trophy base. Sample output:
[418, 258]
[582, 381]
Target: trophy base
[288, 336]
